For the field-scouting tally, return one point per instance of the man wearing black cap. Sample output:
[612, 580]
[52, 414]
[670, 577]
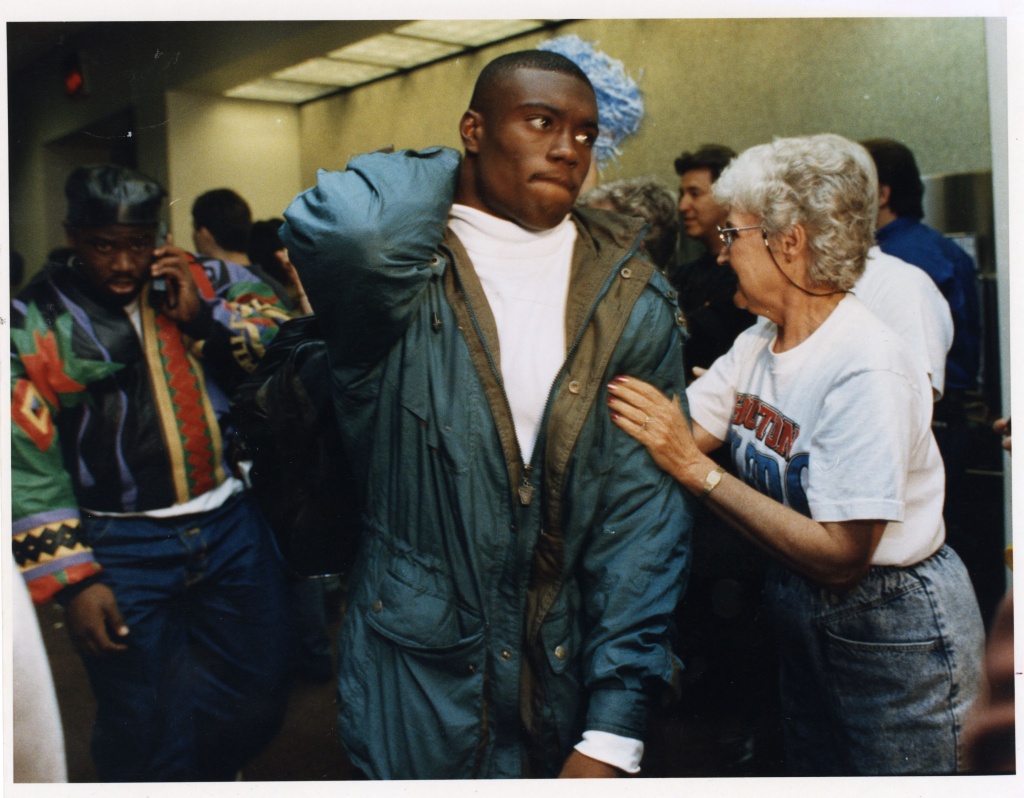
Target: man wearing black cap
[124, 507]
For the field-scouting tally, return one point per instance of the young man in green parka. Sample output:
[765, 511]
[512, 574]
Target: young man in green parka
[509, 610]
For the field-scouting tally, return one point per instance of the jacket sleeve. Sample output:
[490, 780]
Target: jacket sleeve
[238, 319]
[637, 559]
[364, 242]
[45, 376]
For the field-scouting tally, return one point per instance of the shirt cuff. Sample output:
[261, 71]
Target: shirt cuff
[624, 753]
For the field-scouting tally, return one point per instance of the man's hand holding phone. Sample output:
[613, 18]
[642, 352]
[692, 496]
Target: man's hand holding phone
[173, 292]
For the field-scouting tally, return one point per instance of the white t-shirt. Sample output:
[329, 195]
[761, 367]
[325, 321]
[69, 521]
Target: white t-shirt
[525, 276]
[838, 428]
[907, 299]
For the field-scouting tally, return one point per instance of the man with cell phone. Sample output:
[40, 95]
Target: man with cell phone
[124, 506]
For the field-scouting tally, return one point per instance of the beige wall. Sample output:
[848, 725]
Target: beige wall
[251, 147]
[733, 81]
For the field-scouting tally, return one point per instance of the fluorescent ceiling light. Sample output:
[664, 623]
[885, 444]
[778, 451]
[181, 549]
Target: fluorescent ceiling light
[468, 32]
[402, 52]
[411, 45]
[279, 91]
[334, 73]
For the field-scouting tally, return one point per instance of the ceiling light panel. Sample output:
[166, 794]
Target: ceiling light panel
[468, 32]
[279, 91]
[401, 52]
[334, 73]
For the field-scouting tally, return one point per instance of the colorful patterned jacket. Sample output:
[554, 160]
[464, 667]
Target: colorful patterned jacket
[104, 421]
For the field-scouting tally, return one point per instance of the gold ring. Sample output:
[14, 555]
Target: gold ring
[644, 425]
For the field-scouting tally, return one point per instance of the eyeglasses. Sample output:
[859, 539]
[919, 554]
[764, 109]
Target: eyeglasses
[728, 234]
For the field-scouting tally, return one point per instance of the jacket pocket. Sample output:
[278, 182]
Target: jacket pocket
[413, 606]
[891, 680]
[412, 699]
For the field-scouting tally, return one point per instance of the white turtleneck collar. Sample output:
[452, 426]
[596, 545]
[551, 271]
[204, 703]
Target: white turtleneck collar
[525, 277]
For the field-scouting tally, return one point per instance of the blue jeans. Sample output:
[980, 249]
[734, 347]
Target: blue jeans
[879, 681]
[203, 685]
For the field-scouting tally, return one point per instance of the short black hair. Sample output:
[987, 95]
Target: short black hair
[226, 215]
[709, 156]
[897, 169]
[504, 66]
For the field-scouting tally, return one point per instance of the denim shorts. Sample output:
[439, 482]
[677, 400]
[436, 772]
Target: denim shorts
[880, 680]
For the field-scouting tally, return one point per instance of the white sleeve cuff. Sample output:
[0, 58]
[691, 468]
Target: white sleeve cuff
[624, 753]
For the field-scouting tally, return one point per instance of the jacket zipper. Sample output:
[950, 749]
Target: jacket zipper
[526, 489]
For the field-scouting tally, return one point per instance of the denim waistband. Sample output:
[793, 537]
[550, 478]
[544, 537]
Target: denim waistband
[229, 505]
[880, 583]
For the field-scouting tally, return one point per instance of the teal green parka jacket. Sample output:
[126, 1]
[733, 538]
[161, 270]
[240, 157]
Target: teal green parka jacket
[497, 609]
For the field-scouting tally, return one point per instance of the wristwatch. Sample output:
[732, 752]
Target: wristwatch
[711, 481]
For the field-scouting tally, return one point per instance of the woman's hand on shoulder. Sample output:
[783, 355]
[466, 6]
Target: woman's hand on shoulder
[656, 421]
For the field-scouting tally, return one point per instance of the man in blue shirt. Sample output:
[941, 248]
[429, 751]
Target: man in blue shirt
[901, 233]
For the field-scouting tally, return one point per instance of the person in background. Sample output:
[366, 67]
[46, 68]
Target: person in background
[705, 288]
[221, 220]
[509, 609]
[221, 224]
[308, 597]
[990, 734]
[827, 416]
[903, 297]
[268, 255]
[901, 233]
[124, 505]
[647, 198]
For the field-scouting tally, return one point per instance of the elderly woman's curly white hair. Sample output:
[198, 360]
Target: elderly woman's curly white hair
[826, 183]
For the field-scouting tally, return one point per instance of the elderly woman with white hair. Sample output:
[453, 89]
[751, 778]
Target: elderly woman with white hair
[648, 198]
[827, 417]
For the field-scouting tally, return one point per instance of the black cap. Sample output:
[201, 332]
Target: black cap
[99, 196]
